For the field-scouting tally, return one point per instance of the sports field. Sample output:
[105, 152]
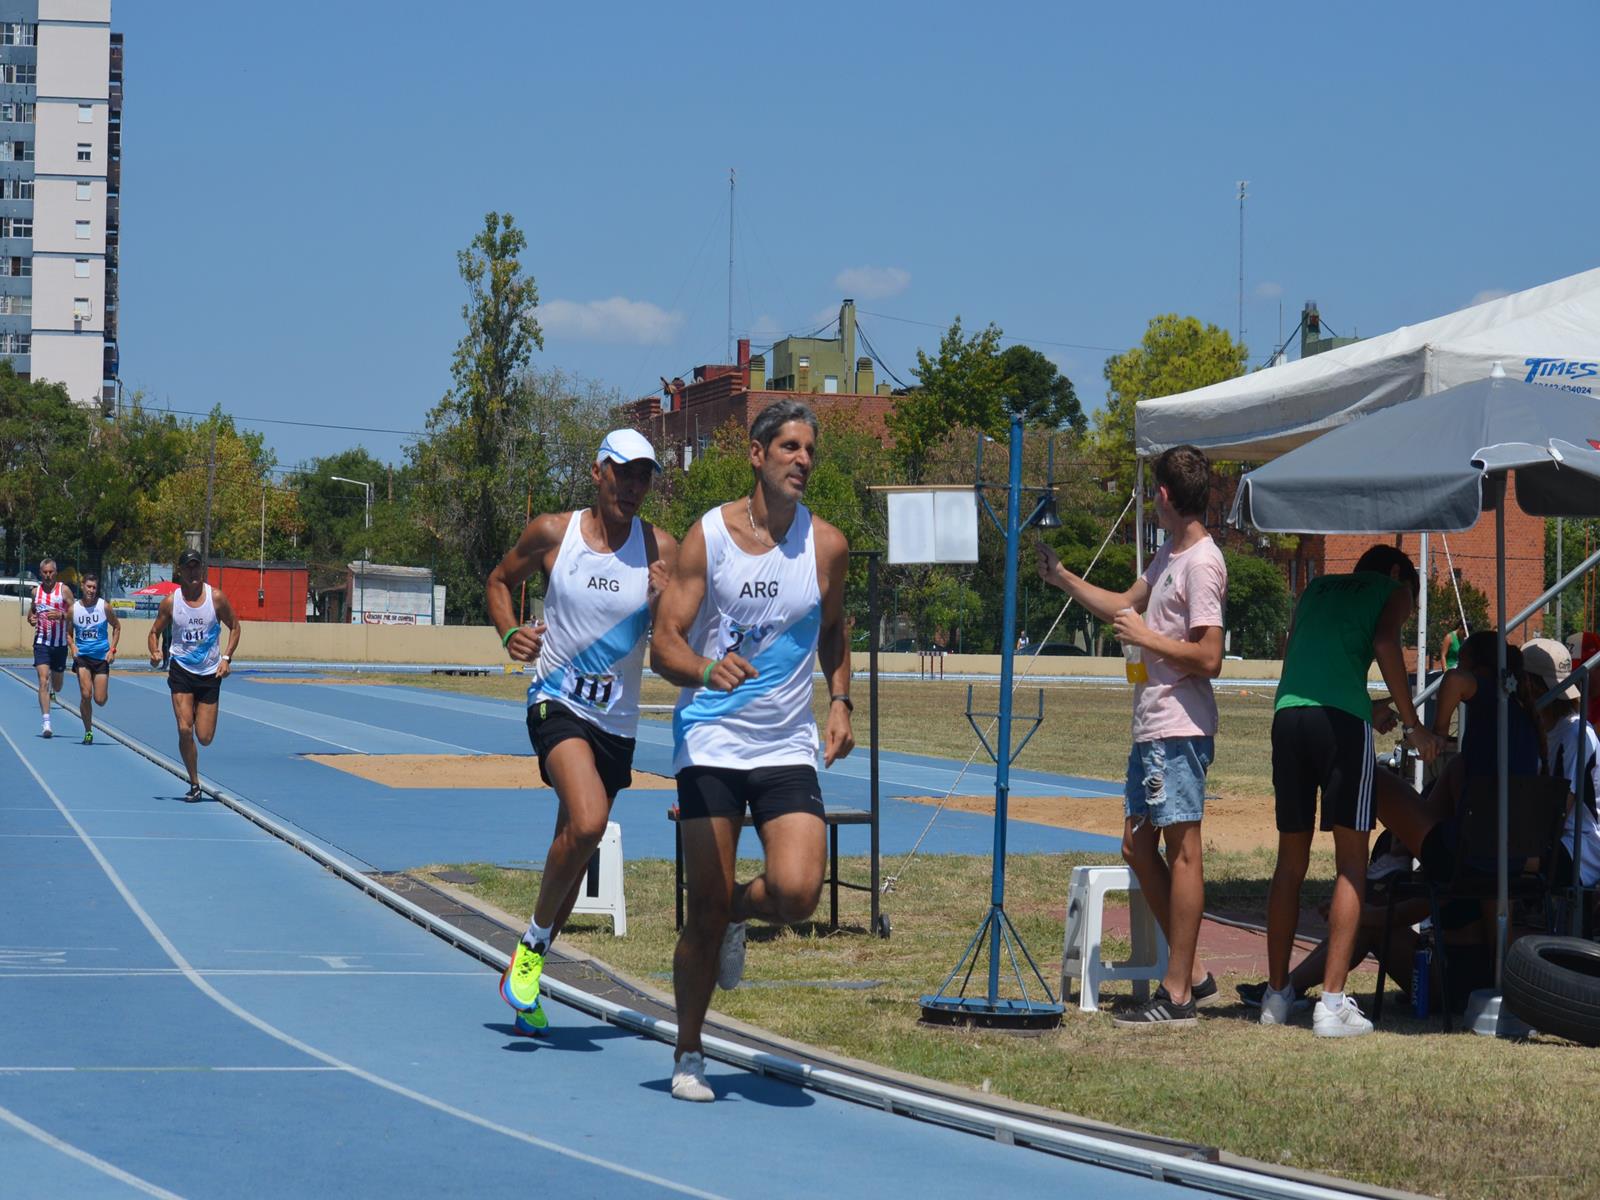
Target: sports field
[277, 1031]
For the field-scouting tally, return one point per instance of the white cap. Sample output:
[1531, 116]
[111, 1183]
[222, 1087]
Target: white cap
[626, 445]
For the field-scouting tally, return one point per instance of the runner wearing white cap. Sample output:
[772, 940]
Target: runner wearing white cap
[603, 569]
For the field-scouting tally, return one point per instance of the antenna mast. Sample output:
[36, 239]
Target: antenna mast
[730, 265]
[1243, 183]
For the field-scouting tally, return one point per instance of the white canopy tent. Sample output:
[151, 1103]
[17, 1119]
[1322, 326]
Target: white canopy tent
[1548, 334]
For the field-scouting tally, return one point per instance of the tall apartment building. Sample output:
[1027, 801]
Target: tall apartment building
[60, 181]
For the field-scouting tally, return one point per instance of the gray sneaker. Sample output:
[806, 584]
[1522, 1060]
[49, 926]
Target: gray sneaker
[689, 1079]
[730, 960]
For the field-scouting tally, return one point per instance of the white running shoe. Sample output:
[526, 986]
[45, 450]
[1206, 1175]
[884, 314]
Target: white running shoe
[1276, 1006]
[1346, 1021]
[45, 731]
[730, 959]
[689, 1079]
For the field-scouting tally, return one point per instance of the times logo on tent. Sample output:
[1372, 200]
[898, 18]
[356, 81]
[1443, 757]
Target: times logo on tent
[1541, 370]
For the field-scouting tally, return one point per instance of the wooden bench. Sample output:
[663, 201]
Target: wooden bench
[833, 816]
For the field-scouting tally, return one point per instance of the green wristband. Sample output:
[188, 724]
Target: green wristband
[705, 675]
[506, 640]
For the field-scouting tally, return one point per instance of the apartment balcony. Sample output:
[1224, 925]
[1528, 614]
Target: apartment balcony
[113, 213]
[114, 175]
[111, 361]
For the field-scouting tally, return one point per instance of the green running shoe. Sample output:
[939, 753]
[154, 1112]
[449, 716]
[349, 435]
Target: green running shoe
[520, 983]
[533, 1023]
[88, 737]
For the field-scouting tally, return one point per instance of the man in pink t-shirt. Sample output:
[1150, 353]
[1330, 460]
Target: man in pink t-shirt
[1181, 596]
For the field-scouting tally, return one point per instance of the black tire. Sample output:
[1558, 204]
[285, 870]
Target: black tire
[1553, 983]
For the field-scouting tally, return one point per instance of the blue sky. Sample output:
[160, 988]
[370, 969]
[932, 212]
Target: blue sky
[299, 177]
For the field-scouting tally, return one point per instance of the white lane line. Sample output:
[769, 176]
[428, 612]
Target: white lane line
[83, 1156]
[217, 972]
[399, 1089]
[200, 1069]
[134, 837]
[416, 737]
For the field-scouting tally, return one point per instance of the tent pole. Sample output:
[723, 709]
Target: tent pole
[1138, 519]
[1422, 640]
[1502, 740]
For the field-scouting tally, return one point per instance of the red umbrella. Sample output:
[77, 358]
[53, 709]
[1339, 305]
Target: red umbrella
[156, 589]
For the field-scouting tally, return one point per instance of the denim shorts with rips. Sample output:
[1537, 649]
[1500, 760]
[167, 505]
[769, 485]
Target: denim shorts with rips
[1167, 780]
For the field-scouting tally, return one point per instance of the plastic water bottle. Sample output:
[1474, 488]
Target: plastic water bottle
[1421, 975]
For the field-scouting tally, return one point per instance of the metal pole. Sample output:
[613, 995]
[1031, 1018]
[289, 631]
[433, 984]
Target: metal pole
[1561, 628]
[1502, 740]
[873, 618]
[1578, 794]
[211, 476]
[1422, 640]
[1002, 767]
[1138, 519]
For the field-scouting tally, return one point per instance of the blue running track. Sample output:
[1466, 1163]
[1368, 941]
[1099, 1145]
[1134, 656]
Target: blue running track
[191, 1007]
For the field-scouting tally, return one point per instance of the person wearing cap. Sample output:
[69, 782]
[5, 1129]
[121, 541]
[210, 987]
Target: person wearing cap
[195, 613]
[604, 569]
[1573, 753]
[755, 603]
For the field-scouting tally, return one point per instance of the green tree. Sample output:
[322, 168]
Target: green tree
[1176, 355]
[118, 468]
[38, 425]
[1444, 614]
[963, 385]
[478, 430]
[1257, 613]
[1037, 391]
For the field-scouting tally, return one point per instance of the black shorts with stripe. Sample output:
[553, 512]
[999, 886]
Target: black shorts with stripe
[1322, 749]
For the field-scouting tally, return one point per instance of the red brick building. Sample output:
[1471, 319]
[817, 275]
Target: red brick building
[821, 372]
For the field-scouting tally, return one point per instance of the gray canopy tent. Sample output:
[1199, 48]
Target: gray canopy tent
[1434, 464]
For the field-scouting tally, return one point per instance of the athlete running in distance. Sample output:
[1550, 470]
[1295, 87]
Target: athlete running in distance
[195, 612]
[94, 633]
[52, 601]
[604, 569]
[756, 599]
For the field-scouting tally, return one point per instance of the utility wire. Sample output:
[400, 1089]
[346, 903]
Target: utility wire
[1004, 337]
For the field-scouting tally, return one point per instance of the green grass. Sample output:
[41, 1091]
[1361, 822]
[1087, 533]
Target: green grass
[1407, 1107]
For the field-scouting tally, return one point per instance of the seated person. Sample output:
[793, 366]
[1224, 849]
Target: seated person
[1572, 742]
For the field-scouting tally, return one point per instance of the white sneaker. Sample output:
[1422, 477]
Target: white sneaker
[689, 1079]
[1346, 1021]
[730, 959]
[1276, 1006]
[45, 731]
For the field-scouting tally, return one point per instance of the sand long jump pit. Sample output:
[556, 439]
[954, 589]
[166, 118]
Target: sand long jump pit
[461, 771]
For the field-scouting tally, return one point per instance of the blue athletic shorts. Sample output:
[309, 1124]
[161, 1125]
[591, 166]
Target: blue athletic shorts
[1167, 780]
[54, 656]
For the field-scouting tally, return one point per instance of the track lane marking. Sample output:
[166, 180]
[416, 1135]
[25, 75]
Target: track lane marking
[83, 1156]
[199, 982]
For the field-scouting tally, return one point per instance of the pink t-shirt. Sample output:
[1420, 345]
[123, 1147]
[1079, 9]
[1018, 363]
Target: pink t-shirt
[1187, 592]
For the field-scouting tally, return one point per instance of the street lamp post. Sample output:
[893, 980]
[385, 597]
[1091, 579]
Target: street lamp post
[366, 551]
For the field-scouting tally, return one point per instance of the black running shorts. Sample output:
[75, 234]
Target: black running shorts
[1326, 749]
[766, 792]
[206, 689]
[95, 666]
[54, 656]
[550, 723]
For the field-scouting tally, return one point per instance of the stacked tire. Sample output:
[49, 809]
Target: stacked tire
[1553, 984]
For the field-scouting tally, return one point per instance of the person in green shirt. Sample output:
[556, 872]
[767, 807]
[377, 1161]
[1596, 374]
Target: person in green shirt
[1450, 651]
[1322, 728]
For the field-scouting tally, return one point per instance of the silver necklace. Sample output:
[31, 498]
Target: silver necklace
[750, 515]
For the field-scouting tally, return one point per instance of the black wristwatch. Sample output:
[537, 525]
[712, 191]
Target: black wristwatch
[844, 700]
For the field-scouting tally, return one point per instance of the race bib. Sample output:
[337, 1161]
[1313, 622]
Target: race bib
[743, 640]
[599, 692]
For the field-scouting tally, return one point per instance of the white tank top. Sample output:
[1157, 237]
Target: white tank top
[51, 609]
[597, 612]
[196, 644]
[766, 608]
[90, 630]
